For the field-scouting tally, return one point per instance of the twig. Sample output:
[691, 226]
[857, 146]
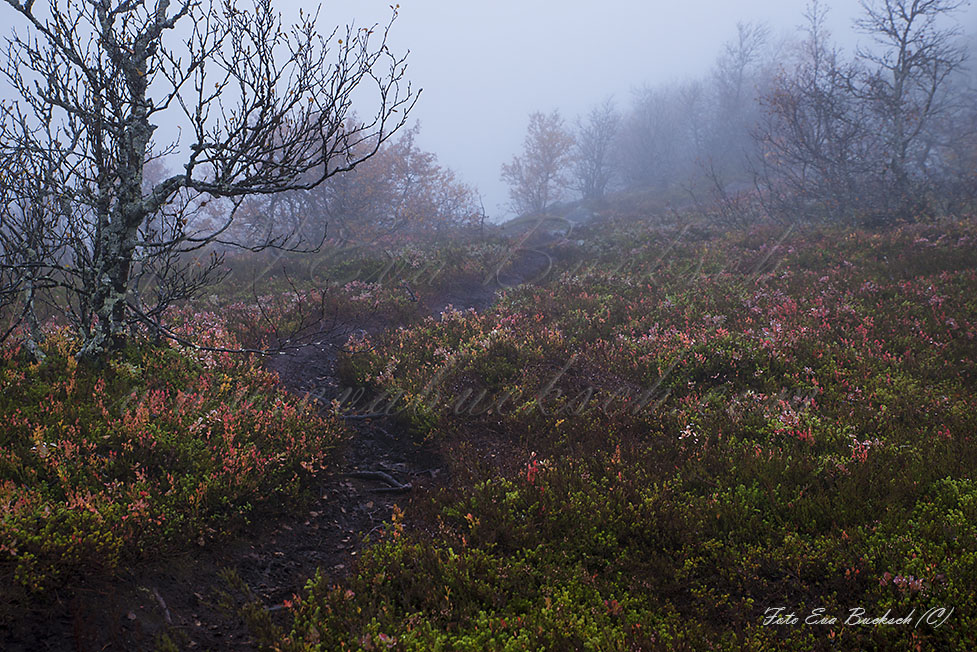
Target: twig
[395, 487]
[402, 489]
[375, 475]
[410, 292]
[162, 603]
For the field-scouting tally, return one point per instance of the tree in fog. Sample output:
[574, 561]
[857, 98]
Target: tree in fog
[265, 107]
[652, 146]
[951, 173]
[595, 136]
[739, 75]
[401, 189]
[423, 197]
[818, 145]
[906, 84]
[539, 176]
[694, 107]
[675, 133]
[874, 138]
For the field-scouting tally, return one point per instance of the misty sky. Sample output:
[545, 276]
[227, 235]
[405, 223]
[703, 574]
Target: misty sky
[484, 66]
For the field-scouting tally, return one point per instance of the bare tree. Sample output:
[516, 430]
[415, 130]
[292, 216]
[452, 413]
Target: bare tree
[875, 138]
[818, 145]
[265, 106]
[906, 83]
[951, 173]
[538, 177]
[694, 106]
[737, 78]
[698, 130]
[594, 142]
[652, 150]
[27, 247]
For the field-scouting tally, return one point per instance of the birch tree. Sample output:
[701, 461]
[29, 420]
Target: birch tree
[916, 54]
[593, 150]
[539, 176]
[261, 107]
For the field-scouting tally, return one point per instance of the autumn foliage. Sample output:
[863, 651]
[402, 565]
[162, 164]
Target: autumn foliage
[400, 190]
[540, 175]
[675, 435]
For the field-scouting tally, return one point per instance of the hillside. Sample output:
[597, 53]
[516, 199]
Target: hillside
[662, 438]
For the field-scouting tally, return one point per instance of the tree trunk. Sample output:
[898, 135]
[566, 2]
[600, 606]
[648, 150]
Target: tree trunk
[108, 303]
[131, 210]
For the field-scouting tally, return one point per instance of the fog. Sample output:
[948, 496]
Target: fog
[484, 66]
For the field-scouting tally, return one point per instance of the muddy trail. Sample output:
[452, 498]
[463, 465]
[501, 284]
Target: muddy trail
[194, 597]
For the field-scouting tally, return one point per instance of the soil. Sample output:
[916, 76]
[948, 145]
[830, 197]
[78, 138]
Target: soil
[189, 597]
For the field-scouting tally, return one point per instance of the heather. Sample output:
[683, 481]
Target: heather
[668, 433]
[159, 450]
[675, 432]
[692, 367]
[177, 440]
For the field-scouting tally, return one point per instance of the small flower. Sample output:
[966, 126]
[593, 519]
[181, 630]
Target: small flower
[532, 469]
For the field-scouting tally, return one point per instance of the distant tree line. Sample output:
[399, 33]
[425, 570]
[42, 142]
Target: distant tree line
[791, 130]
[399, 190]
[887, 135]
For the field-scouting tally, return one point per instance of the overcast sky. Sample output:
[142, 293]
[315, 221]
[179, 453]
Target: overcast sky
[484, 66]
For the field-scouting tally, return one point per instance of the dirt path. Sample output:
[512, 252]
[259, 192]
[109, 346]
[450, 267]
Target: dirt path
[274, 556]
